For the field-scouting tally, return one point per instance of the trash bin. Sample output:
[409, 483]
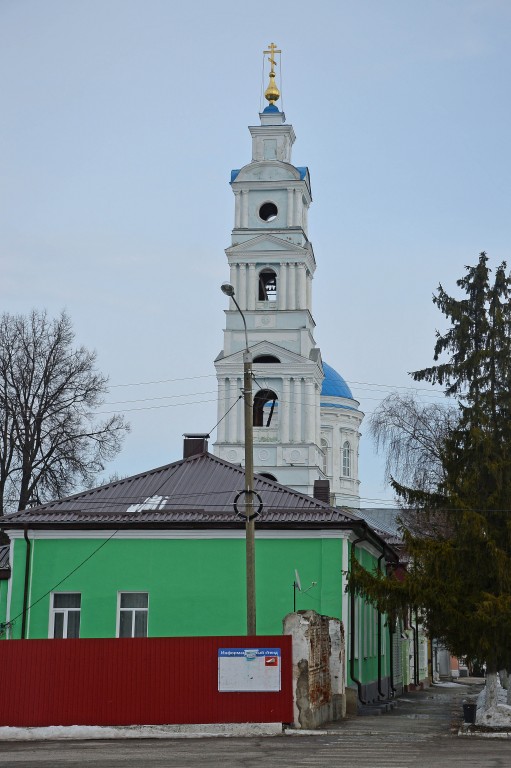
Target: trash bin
[469, 712]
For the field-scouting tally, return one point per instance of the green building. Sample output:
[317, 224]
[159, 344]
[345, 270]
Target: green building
[163, 554]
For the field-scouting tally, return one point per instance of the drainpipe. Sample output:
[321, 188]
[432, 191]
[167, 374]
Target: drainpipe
[380, 692]
[417, 647]
[25, 588]
[415, 630]
[391, 658]
[352, 638]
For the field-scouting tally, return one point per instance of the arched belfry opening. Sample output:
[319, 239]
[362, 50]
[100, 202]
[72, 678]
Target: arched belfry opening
[266, 359]
[264, 408]
[268, 475]
[267, 285]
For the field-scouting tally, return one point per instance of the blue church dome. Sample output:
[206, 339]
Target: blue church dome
[334, 384]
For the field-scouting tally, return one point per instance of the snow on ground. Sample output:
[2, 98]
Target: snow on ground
[82, 732]
[496, 717]
[446, 684]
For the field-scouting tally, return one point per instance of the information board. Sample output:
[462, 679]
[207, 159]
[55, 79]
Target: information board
[249, 669]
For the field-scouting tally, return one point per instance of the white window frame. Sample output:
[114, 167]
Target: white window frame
[118, 622]
[325, 449]
[346, 459]
[66, 611]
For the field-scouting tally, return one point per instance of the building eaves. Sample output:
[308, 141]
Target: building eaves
[195, 493]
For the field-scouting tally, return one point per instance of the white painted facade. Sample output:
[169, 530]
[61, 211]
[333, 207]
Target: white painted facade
[271, 262]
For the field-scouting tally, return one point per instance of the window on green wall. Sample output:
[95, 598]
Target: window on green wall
[132, 614]
[65, 615]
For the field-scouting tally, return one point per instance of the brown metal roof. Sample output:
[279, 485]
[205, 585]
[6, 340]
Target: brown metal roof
[202, 487]
[194, 492]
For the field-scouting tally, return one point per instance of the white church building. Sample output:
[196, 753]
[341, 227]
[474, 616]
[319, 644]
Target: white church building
[306, 420]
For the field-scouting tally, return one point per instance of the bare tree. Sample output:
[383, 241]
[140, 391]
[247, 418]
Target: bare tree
[412, 436]
[50, 441]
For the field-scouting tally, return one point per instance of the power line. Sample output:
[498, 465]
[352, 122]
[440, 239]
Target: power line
[432, 392]
[95, 504]
[161, 397]
[225, 414]
[162, 381]
[155, 407]
[212, 400]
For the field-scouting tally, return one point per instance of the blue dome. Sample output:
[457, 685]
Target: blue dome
[334, 384]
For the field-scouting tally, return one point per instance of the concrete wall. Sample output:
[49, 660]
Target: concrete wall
[319, 685]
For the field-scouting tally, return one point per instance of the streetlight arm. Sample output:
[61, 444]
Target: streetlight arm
[244, 322]
[228, 289]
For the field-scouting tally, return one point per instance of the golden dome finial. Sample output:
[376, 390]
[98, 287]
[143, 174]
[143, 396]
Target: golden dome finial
[272, 93]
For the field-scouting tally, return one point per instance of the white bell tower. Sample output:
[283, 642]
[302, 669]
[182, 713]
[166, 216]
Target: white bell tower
[272, 264]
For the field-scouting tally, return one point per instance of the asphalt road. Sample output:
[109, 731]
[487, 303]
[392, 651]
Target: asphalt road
[421, 731]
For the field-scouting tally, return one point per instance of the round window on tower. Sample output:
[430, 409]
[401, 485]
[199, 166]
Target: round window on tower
[268, 212]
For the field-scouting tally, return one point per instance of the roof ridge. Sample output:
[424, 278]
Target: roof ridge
[110, 494]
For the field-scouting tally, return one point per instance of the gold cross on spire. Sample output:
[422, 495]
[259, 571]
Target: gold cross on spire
[272, 93]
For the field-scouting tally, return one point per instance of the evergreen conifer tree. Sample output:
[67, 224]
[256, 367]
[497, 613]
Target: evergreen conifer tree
[460, 557]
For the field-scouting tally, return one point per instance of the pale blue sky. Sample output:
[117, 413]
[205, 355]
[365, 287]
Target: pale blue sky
[123, 118]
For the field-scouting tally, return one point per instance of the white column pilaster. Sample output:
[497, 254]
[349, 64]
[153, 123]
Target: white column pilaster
[297, 214]
[240, 415]
[285, 410]
[310, 412]
[252, 287]
[232, 417]
[234, 282]
[292, 285]
[290, 207]
[309, 292]
[297, 410]
[318, 415]
[237, 209]
[244, 208]
[221, 410]
[282, 287]
[301, 300]
[242, 286]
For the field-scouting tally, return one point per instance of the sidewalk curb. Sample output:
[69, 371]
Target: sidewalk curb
[465, 731]
[88, 732]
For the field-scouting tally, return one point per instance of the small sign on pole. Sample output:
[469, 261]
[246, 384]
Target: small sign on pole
[249, 669]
